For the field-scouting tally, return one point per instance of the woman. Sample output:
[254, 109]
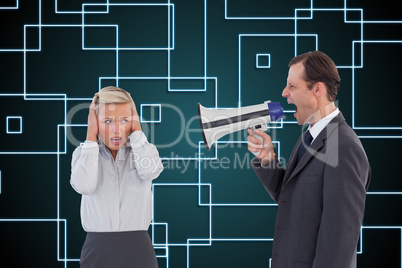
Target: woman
[114, 176]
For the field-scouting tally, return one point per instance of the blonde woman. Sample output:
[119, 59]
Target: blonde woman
[114, 176]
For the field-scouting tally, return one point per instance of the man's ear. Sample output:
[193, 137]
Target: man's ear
[319, 89]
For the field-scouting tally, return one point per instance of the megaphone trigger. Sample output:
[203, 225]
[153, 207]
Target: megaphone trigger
[262, 128]
[259, 138]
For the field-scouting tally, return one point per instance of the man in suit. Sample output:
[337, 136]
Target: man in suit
[321, 193]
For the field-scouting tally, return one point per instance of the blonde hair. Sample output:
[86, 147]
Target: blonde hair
[112, 95]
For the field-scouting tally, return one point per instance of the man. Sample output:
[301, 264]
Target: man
[321, 193]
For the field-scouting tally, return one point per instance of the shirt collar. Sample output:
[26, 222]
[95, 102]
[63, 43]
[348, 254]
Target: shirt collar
[322, 123]
[103, 147]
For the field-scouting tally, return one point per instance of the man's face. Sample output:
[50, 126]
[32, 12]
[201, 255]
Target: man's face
[298, 93]
[114, 124]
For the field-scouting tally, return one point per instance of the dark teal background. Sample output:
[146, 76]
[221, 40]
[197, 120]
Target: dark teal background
[32, 163]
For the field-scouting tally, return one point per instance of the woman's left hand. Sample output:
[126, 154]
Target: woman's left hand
[135, 123]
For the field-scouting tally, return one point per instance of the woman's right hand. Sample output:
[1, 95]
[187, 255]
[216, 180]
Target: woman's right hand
[93, 128]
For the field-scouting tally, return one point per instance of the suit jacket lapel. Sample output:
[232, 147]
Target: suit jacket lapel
[292, 161]
[293, 168]
[317, 144]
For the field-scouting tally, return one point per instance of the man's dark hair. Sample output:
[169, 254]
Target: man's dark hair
[318, 67]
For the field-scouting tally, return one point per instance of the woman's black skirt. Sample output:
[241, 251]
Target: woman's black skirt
[118, 250]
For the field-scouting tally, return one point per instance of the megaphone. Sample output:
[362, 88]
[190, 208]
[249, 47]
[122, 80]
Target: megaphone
[217, 123]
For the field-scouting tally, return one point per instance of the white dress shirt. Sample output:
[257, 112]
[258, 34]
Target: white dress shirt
[116, 194]
[321, 124]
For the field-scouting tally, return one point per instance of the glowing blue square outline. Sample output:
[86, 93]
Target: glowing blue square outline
[345, 20]
[363, 42]
[40, 26]
[228, 17]
[116, 28]
[17, 5]
[257, 61]
[160, 245]
[200, 182]
[151, 105]
[13, 132]
[294, 35]
[209, 206]
[161, 248]
[170, 23]
[24, 49]
[57, 11]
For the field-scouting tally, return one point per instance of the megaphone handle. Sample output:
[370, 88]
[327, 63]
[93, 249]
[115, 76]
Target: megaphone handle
[259, 138]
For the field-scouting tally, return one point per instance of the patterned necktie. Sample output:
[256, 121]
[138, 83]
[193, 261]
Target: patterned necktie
[307, 139]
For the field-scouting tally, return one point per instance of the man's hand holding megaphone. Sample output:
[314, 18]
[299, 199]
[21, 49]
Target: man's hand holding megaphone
[267, 153]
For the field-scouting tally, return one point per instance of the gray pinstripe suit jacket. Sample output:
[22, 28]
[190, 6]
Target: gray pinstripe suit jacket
[320, 200]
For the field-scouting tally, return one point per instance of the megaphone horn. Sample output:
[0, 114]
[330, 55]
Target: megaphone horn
[217, 123]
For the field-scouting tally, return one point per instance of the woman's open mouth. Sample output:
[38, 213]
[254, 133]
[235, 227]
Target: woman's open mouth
[116, 140]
